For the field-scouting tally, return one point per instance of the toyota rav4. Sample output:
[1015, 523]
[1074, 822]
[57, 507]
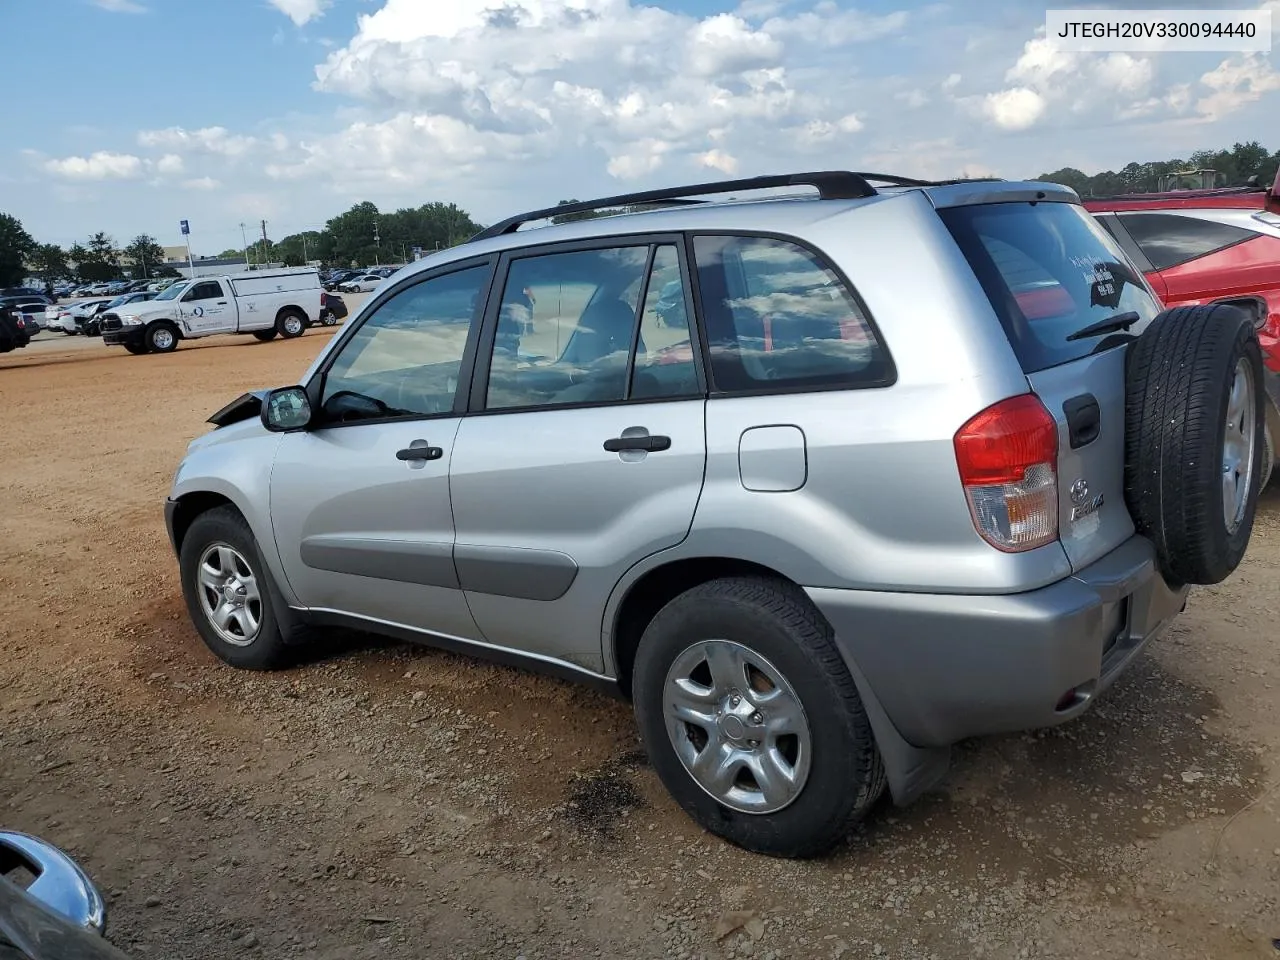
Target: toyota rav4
[823, 483]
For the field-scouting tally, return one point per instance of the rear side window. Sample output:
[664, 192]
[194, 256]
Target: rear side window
[1169, 239]
[1049, 271]
[778, 317]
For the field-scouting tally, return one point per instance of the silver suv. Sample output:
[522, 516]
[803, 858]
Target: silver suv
[824, 484]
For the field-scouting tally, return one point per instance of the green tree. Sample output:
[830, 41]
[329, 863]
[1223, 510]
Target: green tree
[570, 217]
[50, 261]
[298, 249]
[97, 260]
[15, 245]
[1234, 167]
[352, 235]
[145, 254]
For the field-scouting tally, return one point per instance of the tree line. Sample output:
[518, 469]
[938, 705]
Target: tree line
[364, 236]
[361, 236]
[1234, 167]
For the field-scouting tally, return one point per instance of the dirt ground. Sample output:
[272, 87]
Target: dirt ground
[396, 802]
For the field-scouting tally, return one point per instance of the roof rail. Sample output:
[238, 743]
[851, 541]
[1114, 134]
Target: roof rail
[831, 184]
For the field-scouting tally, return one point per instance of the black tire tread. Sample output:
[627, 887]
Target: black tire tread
[791, 610]
[1173, 415]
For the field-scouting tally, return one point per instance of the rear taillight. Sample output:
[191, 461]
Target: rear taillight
[1008, 460]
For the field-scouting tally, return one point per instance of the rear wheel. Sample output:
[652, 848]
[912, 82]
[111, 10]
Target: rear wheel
[327, 318]
[752, 719]
[290, 324]
[162, 338]
[1196, 425]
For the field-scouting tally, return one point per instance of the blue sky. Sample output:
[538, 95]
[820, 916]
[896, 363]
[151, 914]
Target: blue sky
[136, 113]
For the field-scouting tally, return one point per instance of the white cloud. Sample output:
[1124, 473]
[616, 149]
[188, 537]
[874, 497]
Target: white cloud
[913, 99]
[119, 6]
[102, 165]
[639, 86]
[1235, 82]
[718, 160]
[202, 183]
[301, 12]
[1014, 109]
[214, 140]
[170, 163]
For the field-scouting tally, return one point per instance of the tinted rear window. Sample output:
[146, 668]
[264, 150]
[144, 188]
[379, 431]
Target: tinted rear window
[1049, 270]
[1169, 239]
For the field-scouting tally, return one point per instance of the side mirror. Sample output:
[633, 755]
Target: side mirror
[286, 409]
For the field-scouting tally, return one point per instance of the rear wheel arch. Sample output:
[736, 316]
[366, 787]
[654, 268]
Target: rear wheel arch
[657, 587]
[1256, 306]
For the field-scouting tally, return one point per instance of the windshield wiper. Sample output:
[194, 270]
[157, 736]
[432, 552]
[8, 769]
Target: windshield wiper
[1121, 321]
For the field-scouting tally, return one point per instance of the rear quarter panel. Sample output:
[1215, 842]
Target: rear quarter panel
[882, 507]
[1251, 269]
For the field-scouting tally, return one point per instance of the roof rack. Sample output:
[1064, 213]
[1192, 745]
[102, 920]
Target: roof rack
[831, 184]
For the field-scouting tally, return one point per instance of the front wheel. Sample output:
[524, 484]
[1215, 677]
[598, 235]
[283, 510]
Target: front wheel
[162, 338]
[752, 720]
[228, 592]
[327, 319]
[137, 349]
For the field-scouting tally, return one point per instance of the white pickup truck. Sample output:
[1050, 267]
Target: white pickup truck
[262, 303]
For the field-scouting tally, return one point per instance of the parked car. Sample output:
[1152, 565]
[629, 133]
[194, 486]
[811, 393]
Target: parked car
[13, 330]
[817, 552]
[32, 307]
[333, 309]
[365, 283]
[84, 314]
[99, 289]
[90, 321]
[263, 303]
[56, 914]
[340, 277]
[60, 318]
[1210, 246]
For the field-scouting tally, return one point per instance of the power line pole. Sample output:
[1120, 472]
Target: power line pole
[244, 246]
[377, 242]
[264, 243]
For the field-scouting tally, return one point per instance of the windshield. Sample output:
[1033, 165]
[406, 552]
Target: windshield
[1049, 271]
[118, 302]
[171, 293]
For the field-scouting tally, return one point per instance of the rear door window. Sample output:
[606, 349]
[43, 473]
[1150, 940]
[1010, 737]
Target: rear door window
[1169, 239]
[778, 317]
[1049, 271]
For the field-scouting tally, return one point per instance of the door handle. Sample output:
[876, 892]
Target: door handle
[649, 444]
[420, 453]
[222, 303]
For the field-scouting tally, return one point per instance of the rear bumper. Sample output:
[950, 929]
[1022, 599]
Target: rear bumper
[947, 667]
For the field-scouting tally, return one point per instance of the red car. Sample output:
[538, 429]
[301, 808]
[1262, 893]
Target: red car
[1207, 246]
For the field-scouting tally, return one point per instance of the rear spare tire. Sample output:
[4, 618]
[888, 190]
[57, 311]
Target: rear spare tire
[264, 335]
[1195, 420]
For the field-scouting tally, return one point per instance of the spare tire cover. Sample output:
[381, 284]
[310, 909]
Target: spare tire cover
[1194, 419]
